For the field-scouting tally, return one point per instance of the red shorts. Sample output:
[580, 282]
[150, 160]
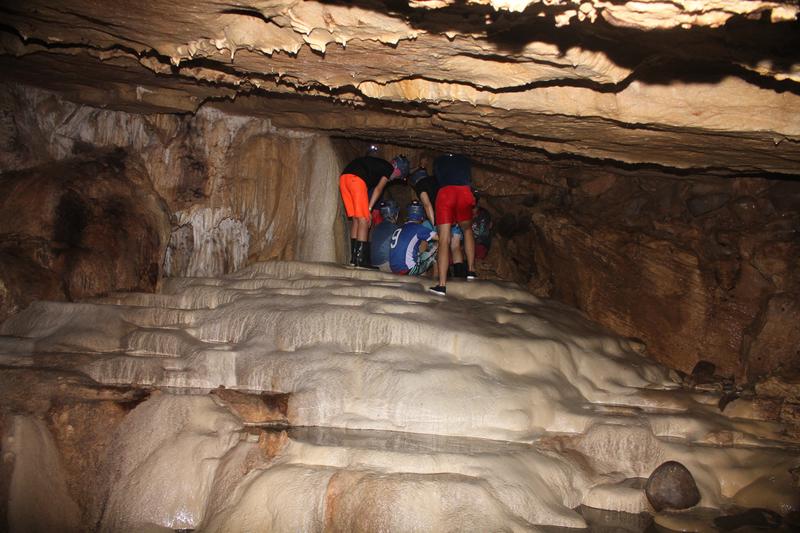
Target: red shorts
[454, 204]
[354, 195]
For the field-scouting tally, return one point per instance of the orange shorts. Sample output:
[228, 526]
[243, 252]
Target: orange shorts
[354, 194]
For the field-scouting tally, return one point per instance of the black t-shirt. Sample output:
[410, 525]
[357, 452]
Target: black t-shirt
[428, 185]
[452, 169]
[370, 169]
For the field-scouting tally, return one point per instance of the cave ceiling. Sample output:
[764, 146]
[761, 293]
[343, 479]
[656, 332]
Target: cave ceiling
[698, 85]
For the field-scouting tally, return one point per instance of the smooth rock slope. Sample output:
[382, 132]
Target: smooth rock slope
[489, 410]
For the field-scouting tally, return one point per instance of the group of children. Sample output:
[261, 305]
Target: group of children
[445, 198]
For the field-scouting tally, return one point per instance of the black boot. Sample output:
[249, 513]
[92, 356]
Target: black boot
[368, 257]
[460, 270]
[353, 251]
[360, 254]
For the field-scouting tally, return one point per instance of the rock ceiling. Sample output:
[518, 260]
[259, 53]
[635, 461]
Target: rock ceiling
[707, 85]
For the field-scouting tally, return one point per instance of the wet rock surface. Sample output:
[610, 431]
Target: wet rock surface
[77, 417]
[752, 518]
[414, 421]
[621, 246]
[672, 486]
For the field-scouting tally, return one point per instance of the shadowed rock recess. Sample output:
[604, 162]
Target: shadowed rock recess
[178, 349]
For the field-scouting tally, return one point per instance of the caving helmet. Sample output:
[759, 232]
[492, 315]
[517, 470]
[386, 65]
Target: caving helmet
[401, 167]
[389, 210]
[372, 149]
[417, 176]
[416, 213]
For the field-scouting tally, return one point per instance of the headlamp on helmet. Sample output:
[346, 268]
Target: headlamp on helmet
[416, 213]
[401, 168]
[389, 210]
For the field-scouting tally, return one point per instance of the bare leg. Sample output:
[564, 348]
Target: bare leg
[469, 244]
[353, 228]
[444, 252]
[455, 249]
[362, 229]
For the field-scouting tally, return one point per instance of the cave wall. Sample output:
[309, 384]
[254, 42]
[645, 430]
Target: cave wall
[698, 267]
[249, 193]
[76, 228]
[230, 190]
[230, 182]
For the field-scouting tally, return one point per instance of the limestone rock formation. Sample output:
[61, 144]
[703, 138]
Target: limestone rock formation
[629, 249]
[646, 253]
[146, 453]
[680, 84]
[236, 189]
[679, 120]
[37, 483]
[79, 228]
[641, 163]
[492, 409]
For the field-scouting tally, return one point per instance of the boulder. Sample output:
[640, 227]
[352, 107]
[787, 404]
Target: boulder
[672, 486]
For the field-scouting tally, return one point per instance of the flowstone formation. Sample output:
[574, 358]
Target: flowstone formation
[354, 400]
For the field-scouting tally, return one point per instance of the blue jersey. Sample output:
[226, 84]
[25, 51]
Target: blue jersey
[379, 244]
[404, 246]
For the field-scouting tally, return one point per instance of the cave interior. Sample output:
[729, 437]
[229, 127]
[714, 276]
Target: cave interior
[640, 161]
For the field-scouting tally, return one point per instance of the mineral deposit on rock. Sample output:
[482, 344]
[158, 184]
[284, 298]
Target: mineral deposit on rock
[404, 409]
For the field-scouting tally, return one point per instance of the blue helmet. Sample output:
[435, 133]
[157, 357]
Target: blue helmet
[416, 213]
[401, 167]
[389, 210]
[418, 175]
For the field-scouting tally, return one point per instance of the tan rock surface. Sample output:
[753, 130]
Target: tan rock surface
[686, 264]
[76, 417]
[681, 84]
[255, 408]
[707, 87]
